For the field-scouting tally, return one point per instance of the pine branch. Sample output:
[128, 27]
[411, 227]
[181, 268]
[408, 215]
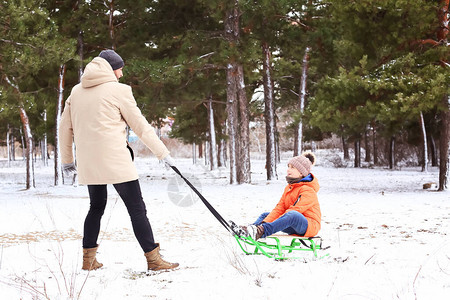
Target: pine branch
[17, 43]
[209, 67]
[429, 41]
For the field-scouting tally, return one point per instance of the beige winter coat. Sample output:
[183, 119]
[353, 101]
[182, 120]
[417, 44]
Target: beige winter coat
[95, 117]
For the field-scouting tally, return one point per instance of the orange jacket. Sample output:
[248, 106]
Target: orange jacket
[307, 204]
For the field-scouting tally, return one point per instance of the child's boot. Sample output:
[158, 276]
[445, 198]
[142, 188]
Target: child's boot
[255, 231]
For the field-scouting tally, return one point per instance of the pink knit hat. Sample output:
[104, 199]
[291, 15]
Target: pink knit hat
[303, 163]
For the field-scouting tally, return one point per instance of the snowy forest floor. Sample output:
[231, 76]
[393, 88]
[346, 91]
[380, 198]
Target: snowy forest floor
[388, 237]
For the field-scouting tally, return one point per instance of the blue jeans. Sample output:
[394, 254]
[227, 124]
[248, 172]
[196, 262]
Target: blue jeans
[291, 222]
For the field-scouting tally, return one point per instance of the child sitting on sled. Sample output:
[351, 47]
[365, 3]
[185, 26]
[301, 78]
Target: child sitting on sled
[298, 211]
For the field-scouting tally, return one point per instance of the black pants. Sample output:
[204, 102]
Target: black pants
[130, 192]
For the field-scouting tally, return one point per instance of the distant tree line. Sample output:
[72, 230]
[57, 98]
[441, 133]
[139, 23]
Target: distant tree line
[366, 70]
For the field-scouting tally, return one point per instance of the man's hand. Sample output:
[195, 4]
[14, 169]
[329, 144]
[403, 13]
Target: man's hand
[168, 161]
[69, 169]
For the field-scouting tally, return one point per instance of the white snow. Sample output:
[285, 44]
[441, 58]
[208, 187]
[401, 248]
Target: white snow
[389, 238]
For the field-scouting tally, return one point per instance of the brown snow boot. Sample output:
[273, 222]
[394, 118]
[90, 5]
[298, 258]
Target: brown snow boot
[254, 231]
[156, 263]
[89, 260]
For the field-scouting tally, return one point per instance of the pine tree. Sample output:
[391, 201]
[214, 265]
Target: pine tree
[443, 40]
[183, 63]
[30, 43]
[390, 69]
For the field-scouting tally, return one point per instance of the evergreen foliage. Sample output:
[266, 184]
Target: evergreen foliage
[386, 74]
[374, 65]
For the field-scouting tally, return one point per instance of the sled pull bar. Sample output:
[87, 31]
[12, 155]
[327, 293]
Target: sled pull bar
[207, 204]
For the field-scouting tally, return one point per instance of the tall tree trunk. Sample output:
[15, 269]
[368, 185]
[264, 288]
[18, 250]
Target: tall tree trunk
[232, 36]
[222, 147]
[374, 142]
[357, 153]
[13, 146]
[237, 116]
[424, 144]
[433, 150]
[111, 24]
[207, 153]
[392, 153]
[232, 121]
[212, 136]
[277, 141]
[301, 103]
[244, 171]
[8, 146]
[194, 153]
[35, 151]
[444, 147]
[80, 47]
[225, 153]
[219, 154]
[200, 150]
[44, 142]
[269, 115]
[24, 154]
[59, 105]
[345, 148]
[42, 150]
[367, 144]
[29, 147]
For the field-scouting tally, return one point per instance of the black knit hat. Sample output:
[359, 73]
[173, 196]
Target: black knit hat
[113, 58]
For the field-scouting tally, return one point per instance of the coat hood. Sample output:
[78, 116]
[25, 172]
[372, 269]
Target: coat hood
[98, 71]
[314, 183]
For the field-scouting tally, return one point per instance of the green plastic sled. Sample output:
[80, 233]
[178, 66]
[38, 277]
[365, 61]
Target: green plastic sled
[272, 247]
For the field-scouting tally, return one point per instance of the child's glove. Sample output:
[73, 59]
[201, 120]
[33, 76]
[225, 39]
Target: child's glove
[69, 169]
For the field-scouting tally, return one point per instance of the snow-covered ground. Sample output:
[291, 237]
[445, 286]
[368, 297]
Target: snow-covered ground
[388, 238]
